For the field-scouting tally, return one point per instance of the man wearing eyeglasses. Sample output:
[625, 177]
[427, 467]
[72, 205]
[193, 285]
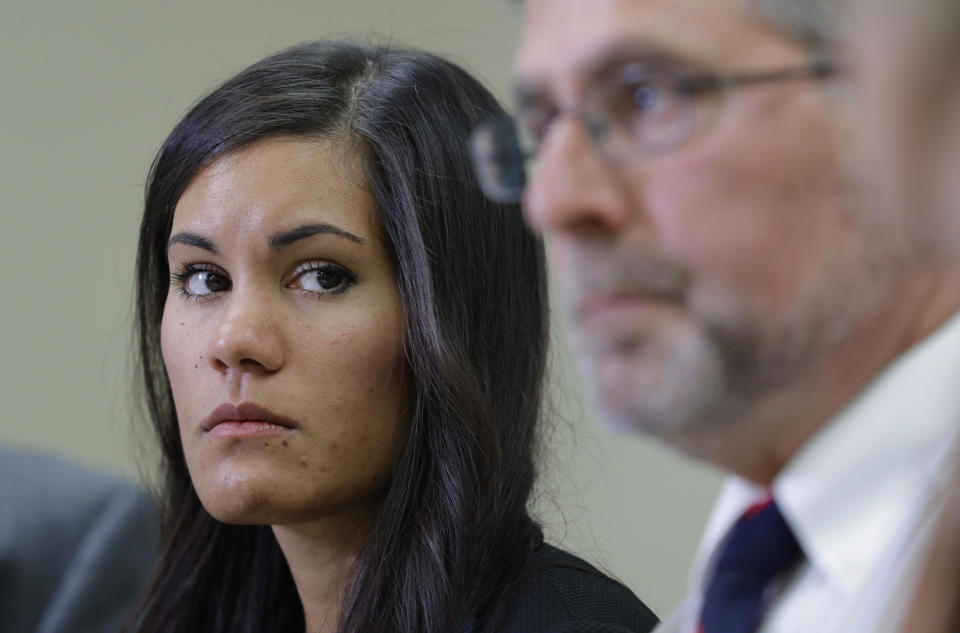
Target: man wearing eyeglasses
[733, 291]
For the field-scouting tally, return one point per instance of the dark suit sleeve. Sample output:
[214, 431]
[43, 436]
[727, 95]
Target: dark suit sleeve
[76, 545]
[104, 578]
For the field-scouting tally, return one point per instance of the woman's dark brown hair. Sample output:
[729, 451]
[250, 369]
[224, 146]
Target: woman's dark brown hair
[453, 530]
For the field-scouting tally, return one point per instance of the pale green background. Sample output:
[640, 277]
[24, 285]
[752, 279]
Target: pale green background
[88, 91]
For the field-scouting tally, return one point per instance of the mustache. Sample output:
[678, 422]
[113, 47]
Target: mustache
[602, 271]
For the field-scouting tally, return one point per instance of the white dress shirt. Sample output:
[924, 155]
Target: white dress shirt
[861, 497]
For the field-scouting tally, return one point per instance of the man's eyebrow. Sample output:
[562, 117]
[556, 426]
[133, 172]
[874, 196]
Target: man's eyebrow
[192, 239]
[286, 238]
[532, 91]
[614, 57]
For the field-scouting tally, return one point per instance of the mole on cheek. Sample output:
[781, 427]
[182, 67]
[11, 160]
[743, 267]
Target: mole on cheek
[285, 443]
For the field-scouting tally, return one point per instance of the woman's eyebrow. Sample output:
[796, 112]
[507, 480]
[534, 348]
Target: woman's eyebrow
[285, 238]
[192, 239]
[277, 241]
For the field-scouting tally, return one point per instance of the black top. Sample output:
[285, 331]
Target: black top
[561, 593]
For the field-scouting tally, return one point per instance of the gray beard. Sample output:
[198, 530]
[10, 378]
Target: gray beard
[704, 372]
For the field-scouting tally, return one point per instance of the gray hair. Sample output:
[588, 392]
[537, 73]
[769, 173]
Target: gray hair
[817, 22]
[943, 21]
[813, 22]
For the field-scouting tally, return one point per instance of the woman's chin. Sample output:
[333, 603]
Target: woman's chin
[242, 497]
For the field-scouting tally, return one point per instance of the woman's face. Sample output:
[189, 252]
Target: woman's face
[281, 336]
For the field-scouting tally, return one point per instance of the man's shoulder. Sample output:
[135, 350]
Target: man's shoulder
[562, 593]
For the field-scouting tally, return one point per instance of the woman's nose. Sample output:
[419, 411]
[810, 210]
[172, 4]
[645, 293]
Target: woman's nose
[248, 338]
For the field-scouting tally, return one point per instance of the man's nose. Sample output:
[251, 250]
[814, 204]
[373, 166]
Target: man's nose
[573, 187]
[248, 338]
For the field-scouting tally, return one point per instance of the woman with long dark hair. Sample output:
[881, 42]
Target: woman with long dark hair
[342, 347]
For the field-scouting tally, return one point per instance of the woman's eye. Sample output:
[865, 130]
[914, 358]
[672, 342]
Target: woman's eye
[324, 279]
[200, 283]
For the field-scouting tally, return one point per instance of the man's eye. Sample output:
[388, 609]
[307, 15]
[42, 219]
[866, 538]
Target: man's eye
[644, 109]
[204, 282]
[536, 125]
[636, 99]
[646, 97]
[323, 278]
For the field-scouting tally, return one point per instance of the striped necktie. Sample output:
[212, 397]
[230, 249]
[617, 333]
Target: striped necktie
[759, 549]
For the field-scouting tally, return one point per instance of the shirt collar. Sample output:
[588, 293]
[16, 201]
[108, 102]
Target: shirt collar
[851, 488]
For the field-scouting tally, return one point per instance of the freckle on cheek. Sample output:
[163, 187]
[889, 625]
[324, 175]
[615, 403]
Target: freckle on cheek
[285, 443]
[334, 446]
[364, 439]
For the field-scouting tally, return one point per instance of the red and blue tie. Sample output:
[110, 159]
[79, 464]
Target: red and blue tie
[759, 549]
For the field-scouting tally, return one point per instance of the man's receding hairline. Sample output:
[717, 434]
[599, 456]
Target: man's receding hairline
[812, 22]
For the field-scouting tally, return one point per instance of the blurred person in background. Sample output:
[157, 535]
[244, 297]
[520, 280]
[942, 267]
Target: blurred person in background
[906, 107]
[735, 289]
[76, 545]
[906, 111]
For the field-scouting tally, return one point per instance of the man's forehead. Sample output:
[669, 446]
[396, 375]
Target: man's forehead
[570, 38]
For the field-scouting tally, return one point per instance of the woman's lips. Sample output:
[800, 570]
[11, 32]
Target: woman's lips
[248, 428]
[246, 419]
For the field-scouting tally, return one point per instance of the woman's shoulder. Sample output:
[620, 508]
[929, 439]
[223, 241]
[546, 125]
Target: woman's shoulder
[561, 593]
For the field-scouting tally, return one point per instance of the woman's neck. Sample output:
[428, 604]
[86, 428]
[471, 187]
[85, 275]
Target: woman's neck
[321, 556]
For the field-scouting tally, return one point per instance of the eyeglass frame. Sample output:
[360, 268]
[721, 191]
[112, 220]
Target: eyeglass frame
[688, 85]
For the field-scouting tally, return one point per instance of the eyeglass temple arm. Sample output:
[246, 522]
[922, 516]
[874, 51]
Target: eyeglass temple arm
[710, 83]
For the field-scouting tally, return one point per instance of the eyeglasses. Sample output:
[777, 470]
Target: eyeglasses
[638, 111]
